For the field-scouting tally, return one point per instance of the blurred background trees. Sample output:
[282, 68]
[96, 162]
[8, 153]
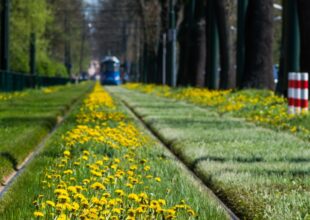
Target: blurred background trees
[138, 32]
[222, 44]
[130, 30]
[58, 26]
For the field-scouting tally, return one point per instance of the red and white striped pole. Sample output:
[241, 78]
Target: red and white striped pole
[297, 93]
[304, 92]
[291, 92]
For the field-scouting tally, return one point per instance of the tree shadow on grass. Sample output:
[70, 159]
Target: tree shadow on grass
[207, 123]
[161, 106]
[298, 160]
[32, 106]
[22, 106]
[279, 172]
[223, 159]
[48, 122]
[10, 158]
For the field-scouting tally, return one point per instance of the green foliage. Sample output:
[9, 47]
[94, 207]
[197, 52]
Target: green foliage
[27, 17]
[68, 27]
[47, 67]
[44, 18]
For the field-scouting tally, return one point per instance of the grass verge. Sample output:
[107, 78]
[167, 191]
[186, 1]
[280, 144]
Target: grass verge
[260, 173]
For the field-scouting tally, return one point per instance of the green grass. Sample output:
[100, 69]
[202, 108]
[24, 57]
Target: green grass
[175, 185]
[26, 120]
[17, 201]
[261, 107]
[260, 173]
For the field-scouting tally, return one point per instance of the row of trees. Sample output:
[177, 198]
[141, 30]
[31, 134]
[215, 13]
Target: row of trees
[58, 30]
[220, 43]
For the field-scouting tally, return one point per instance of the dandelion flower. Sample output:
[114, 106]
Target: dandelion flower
[38, 214]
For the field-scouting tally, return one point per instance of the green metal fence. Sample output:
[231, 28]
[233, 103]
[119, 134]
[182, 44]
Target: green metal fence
[10, 81]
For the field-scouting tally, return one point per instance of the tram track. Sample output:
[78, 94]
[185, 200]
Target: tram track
[182, 163]
[9, 180]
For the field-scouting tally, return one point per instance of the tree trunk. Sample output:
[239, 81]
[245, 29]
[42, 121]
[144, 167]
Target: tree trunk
[198, 50]
[184, 35]
[227, 73]
[290, 51]
[304, 21]
[192, 39]
[258, 43]
[163, 29]
[151, 68]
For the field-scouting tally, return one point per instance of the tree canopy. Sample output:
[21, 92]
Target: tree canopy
[59, 30]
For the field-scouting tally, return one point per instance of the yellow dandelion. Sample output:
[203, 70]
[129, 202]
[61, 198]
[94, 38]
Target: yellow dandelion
[69, 172]
[134, 197]
[86, 153]
[146, 168]
[62, 217]
[75, 206]
[191, 212]
[86, 181]
[50, 203]
[157, 179]
[38, 214]
[97, 186]
[117, 210]
[72, 189]
[67, 153]
[120, 192]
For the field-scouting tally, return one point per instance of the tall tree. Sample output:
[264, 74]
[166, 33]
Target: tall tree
[164, 13]
[152, 35]
[198, 50]
[212, 48]
[184, 36]
[258, 42]
[290, 45]
[304, 21]
[65, 33]
[192, 40]
[227, 73]
[26, 18]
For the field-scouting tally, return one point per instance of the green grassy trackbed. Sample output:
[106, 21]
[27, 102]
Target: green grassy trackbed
[175, 185]
[17, 202]
[259, 172]
[27, 118]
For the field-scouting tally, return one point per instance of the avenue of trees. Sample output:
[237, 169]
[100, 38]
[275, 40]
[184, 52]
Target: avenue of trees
[220, 43]
[58, 30]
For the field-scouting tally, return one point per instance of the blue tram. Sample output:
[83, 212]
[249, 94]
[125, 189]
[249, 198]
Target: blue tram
[110, 71]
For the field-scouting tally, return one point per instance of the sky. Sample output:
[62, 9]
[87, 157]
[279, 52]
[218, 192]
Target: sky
[92, 4]
[91, 1]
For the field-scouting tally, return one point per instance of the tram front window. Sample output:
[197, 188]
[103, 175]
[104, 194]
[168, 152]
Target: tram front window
[110, 67]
